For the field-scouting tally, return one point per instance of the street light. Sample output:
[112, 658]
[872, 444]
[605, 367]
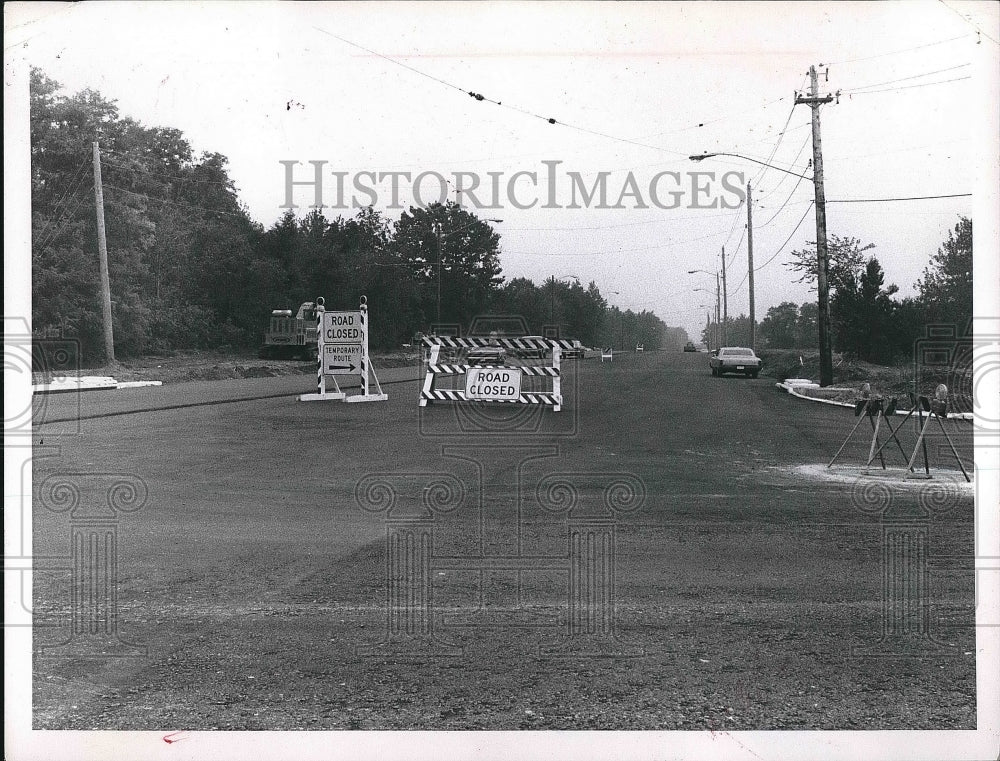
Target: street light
[705, 290]
[440, 252]
[822, 286]
[721, 318]
[703, 156]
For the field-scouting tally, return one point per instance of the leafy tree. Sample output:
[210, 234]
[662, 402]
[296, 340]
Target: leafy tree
[779, 327]
[946, 285]
[845, 259]
[454, 256]
[806, 327]
[862, 313]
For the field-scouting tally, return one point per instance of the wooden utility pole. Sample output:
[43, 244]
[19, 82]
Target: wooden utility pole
[718, 313]
[725, 305]
[753, 318]
[822, 285]
[102, 253]
[708, 331]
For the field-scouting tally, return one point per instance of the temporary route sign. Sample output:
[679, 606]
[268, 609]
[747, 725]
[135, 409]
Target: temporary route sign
[342, 349]
[342, 359]
[343, 328]
[493, 384]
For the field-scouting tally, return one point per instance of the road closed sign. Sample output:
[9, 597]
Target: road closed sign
[343, 328]
[493, 384]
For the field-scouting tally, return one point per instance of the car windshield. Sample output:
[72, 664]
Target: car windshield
[737, 352]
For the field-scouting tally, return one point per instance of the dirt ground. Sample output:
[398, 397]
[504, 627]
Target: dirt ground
[745, 597]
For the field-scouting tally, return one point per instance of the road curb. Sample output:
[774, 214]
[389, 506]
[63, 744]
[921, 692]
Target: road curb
[791, 390]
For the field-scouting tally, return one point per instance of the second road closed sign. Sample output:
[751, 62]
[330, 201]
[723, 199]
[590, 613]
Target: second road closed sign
[493, 384]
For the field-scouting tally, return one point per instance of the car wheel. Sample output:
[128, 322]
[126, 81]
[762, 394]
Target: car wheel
[753, 375]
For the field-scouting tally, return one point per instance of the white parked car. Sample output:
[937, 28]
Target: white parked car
[735, 359]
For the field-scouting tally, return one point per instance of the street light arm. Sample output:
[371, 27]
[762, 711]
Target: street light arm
[703, 156]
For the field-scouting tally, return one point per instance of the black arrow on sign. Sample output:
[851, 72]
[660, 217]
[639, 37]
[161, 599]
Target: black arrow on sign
[351, 368]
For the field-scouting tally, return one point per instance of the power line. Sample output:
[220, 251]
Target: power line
[968, 21]
[76, 183]
[782, 247]
[896, 52]
[623, 224]
[907, 87]
[143, 170]
[64, 220]
[908, 198]
[781, 136]
[481, 98]
[906, 79]
[173, 203]
[783, 205]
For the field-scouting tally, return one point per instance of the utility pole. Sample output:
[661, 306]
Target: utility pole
[440, 253]
[725, 305]
[718, 315]
[753, 319]
[708, 331]
[102, 253]
[822, 285]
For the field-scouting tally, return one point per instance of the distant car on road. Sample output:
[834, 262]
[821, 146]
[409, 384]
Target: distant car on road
[689, 346]
[735, 359]
[490, 354]
[579, 351]
[535, 352]
[486, 355]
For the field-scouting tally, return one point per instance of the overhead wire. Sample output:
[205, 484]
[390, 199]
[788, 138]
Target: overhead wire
[904, 79]
[903, 198]
[143, 170]
[483, 98]
[73, 186]
[907, 87]
[173, 203]
[896, 52]
[64, 220]
[780, 249]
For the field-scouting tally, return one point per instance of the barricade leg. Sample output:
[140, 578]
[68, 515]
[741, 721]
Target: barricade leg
[953, 450]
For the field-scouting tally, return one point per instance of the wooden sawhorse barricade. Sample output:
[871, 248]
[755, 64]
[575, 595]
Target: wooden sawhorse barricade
[877, 409]
[513, 393]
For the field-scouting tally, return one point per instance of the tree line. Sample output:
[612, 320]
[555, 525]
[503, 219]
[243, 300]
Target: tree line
[190, 269]
[867, 319]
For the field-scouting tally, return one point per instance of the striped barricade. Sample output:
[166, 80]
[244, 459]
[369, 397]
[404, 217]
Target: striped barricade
[507, 388]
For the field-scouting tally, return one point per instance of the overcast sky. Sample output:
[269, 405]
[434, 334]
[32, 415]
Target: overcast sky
[633, 88]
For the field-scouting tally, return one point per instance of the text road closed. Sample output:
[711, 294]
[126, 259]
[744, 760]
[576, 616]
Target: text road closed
[493, 384]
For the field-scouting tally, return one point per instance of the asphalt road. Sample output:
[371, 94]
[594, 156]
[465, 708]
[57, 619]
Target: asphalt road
[717, 586]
